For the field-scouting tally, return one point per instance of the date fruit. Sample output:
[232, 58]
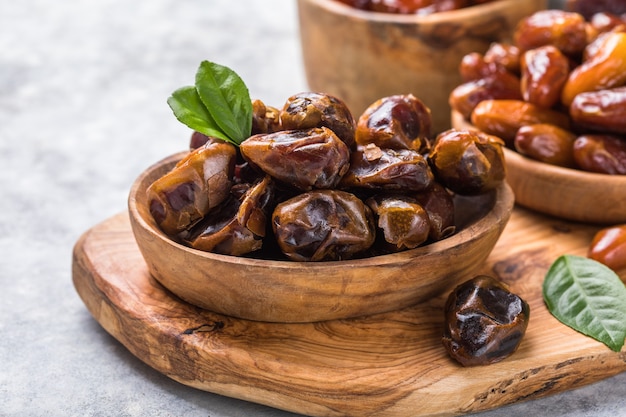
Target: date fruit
[503, 118]
[565, 30]
[546, 143]
[609, 247]
[544, 73]
[604, 154]
[238, 225]
[468, 162]
[309, 110]
[387, 169]
[304, 159]
[395, 122]
[603, 111]
[403, 222]
[198, 183]
[484, 322]
[323, 225]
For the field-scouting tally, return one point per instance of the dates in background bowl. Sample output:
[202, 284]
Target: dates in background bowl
[571, 74]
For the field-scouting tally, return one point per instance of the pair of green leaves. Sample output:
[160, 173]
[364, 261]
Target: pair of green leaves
[217, 105]
[588, 297]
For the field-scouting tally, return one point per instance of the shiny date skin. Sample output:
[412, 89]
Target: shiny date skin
[601, 111]
[198, 183]
[468, 162]
[404, 223]
[395, 122]
[565, 30]
[314, 110]
[544, 73]
[503, 118]
[606, 69]
[304, 159]
[238, 225]
[323, 225]
[609, 247]
[497, 86]
[376, 168]
[604, 154]
[546, 143]
[484, 322]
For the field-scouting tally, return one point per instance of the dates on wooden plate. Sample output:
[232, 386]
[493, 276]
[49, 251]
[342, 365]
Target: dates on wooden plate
[311, 184]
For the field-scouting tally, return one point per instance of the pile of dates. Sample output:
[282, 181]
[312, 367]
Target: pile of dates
[557, 93]
[420, 7]
[311, 183]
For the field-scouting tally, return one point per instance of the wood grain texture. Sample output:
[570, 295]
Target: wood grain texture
[390, 364]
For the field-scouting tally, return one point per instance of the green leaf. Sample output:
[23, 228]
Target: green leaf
[226, 98]
[189, 110]
[588, 297]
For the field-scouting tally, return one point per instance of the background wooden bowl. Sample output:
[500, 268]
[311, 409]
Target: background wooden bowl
[361, 56]
[562, 192]
[285, 291]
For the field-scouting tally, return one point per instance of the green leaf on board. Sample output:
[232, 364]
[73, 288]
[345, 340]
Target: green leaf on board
[588, 297]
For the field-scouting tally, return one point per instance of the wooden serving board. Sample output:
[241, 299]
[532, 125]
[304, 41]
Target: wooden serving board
[390, 364]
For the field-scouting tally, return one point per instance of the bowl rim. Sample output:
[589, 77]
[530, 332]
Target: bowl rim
[537, 168]
[476, 11]
[500, 212]
[555, 171]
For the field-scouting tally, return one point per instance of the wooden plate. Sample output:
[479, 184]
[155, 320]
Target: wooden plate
[389, 365]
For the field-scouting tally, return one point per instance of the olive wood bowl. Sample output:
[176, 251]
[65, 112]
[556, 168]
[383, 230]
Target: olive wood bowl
[360, 56]
[565, 193]
[287, 291]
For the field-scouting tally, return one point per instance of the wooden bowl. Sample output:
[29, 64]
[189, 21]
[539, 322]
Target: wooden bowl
[562, 192]
[361, 56]
[285, 291]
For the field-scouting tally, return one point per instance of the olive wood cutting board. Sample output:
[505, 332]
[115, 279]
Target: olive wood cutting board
[390, 364]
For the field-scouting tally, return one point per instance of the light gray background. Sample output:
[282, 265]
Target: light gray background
[83, 86]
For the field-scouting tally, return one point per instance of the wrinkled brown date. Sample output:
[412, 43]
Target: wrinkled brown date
[323, 225]
[199, 182]
[387, 169]
[484, 322]
[304, 159]
[603, 110]
[468, 162]
[403, 221]
[565, 30]
[308, 110]
[544, 73]
[237, 226]
[439, 205]
[396, 122]
[609, 247]
[546, 143]
[604, 154]
[503, 118]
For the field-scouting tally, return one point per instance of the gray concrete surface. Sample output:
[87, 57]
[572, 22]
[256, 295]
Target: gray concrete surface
[83, 86]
